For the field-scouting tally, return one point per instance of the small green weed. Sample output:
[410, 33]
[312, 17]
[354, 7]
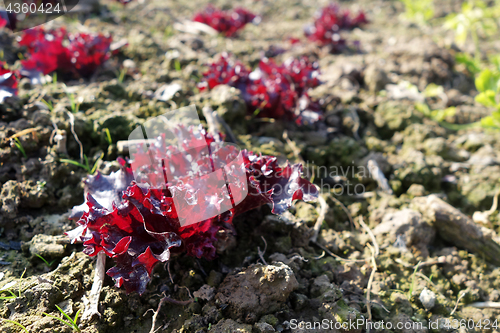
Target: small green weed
[8, 288]
[49, 104]
[75, 107]
[413, 281]
[108, 136]
[17, 324]
[488, 85]
[85, 166]
[19, 146]
[121, 75]
[177, 65]
[476, 19]
[418, 11]
[45, 260]
[70, 322]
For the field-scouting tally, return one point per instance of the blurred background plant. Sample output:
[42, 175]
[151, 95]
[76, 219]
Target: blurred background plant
[488, 86]
[419, 12]
[476, 19]
[487, 83]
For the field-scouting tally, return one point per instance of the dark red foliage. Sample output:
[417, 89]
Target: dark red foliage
[226, 22]
[139, 226]
[328, 24]
[72, 55]
[8, 82]
[227, 72]
[277, 91]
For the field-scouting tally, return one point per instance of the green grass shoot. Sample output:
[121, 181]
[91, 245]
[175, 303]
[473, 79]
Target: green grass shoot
[49, 104]
[19, 146]
[9, 290]
[17, 324]
[70, 322]
[121, 75]
[45, 260]
[413, 281]
[177, 65]
[75, 107]
[108, 136]
[85, 166]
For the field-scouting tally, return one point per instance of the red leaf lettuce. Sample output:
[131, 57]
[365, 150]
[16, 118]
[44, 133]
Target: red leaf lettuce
[73, 55]
[276, 91]
[139, 226]
[8, 82]
[226, 22]
[328, 24]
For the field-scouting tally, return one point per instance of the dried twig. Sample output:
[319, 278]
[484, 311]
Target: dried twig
[346, 211]
[369, 287]
[261, 253]
[320, 256]
[72, 127]
[168, 300]
[462, 294]
[155, 314]
[336, 256]
[91, 306]
[188, 291]
[370, 233]
[169, 274]
[483, 217]
[21, 133]
[380, 304]
[322, 210]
